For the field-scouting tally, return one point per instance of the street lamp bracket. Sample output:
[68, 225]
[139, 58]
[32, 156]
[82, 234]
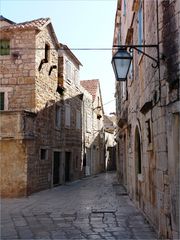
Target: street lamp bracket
[139, 48]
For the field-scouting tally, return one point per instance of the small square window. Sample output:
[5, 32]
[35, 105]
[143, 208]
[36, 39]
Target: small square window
[1, 100]
[68, 69]
[47, 52]
[44, 154]
[4, 47]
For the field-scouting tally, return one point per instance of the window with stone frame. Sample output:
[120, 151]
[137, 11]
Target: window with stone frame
[2, 98]
[4, 92]
[4, 47]
[67, 115]
[68, 70]
[76, 77]
[140, 24]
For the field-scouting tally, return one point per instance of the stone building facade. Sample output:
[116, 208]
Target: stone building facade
[110, 143]
[94, 134]
[148, 111]
[71, 108]
[43, 106]
[28, 66]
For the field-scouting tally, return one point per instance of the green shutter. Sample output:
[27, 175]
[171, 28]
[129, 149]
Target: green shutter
[1, 100]
[4, 47]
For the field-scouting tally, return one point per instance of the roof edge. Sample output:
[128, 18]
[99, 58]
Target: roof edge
[2, 18]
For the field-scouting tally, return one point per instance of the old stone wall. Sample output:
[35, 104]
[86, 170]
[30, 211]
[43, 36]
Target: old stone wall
[13, 156]
[17, 70]
[13, 168]
[72, 135]
[98, 157]
[40, 170]
[153, 100]
[46, 81]
[87, 130]
[48, 150]
[30, 88]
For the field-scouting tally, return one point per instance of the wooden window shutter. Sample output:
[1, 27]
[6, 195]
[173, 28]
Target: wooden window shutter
[4, 47]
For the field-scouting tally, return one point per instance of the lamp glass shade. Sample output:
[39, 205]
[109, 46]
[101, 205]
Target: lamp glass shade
[121, 62]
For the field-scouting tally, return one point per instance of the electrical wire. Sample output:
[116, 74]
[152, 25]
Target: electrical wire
[109, 101]
[71, 49]
[70, 0]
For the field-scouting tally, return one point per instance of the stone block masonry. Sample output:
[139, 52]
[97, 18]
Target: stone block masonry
[149, 170]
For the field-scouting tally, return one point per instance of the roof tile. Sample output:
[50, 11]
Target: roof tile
[37, 24]
[91, 86]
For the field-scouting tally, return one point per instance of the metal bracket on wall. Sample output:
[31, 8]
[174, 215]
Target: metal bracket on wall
[139, 48]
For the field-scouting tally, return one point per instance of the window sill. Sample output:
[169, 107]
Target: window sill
[5, 56]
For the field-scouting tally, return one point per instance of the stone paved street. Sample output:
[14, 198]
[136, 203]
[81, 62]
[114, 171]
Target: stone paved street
[91, 208]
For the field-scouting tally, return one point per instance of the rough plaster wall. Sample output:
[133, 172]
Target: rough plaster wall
[14, 168]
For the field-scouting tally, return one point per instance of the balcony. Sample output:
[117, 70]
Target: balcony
[122, 118]
[17, 125]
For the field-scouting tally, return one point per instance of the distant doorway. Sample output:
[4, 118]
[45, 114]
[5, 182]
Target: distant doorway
[56, 168]
[67, 166]
[88, 161]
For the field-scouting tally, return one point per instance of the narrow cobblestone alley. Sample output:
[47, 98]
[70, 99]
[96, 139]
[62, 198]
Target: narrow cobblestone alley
[91, 208]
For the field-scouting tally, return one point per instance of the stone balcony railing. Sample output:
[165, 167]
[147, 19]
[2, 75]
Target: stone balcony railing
[17, 125]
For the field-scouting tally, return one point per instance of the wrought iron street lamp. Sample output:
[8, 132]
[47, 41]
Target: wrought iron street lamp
[122, 59]
[121, 62]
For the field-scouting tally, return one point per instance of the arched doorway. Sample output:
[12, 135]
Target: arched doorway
[138, 163]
